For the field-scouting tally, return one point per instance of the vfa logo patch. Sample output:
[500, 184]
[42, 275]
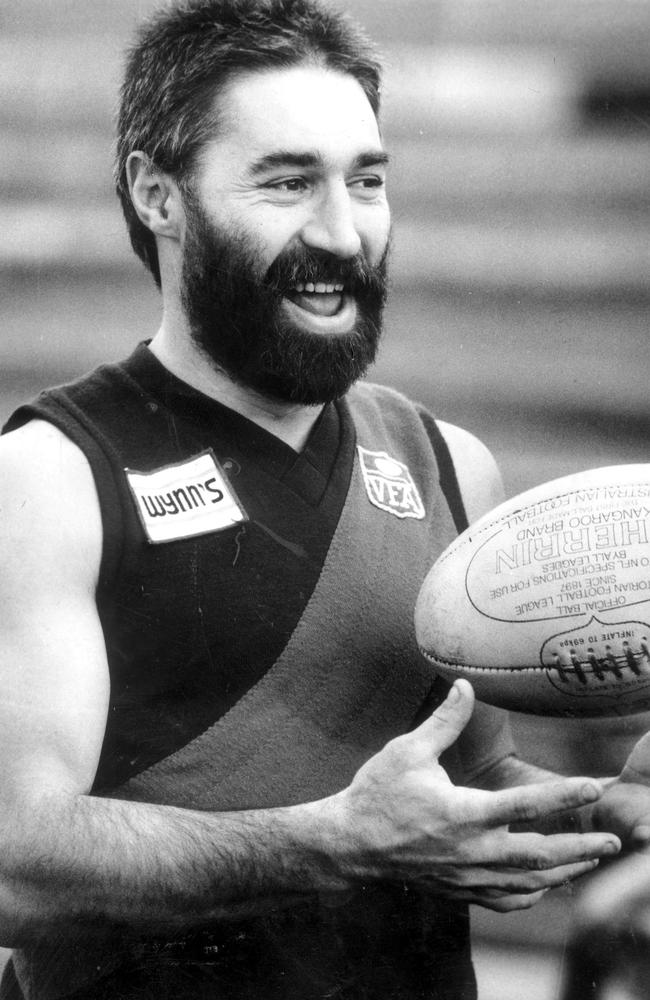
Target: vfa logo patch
[389, 484]
[186, 499]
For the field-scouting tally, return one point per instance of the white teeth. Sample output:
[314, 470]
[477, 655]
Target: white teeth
[319, 287]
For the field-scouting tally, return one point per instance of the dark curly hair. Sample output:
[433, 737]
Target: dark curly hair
[185, 52]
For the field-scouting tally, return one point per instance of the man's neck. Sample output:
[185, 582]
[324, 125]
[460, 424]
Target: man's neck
[290, 422]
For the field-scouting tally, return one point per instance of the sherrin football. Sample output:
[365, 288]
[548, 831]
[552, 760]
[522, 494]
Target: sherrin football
[543, 604]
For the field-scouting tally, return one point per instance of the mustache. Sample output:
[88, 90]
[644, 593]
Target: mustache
[300, 265]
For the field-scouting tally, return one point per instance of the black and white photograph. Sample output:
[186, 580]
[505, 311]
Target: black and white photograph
[324, 500]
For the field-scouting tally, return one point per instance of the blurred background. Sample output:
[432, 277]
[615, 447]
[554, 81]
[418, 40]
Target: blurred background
[520, 135]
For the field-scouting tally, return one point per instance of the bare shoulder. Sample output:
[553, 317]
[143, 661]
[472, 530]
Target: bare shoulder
[48, 498]
[478, 474]
[42, 440]
[53, 673]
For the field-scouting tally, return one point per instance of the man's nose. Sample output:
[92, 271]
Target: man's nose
[331, 226]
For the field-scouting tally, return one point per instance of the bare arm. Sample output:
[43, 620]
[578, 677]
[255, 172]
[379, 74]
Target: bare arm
[478, 475]
[68, 858]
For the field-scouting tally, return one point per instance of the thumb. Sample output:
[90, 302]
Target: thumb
[637, 765]
[445, 725]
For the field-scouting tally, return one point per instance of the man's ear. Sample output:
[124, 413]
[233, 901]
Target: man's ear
[155, 196]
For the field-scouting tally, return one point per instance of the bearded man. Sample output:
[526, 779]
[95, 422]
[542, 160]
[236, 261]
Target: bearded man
[220, 743]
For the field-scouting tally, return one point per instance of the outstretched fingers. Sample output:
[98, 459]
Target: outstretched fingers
[494, 881]
[531, 803]
[520, 881]
[537, 852]
[511, 901]
[500, 887]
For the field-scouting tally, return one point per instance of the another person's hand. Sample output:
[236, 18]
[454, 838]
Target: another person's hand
[410, 822]
[618, 897]
[609, 951]
[625, 807]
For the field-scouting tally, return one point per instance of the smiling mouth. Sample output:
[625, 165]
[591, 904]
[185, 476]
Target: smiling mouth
[319, 298]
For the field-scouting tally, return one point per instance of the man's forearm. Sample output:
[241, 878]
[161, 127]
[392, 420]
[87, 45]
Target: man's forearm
[68, 860]
[85, 860]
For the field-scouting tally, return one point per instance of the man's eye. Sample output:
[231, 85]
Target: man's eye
[290, 184]
[370, 185]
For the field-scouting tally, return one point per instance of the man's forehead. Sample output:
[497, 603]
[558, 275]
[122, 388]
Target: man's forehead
[301, 110]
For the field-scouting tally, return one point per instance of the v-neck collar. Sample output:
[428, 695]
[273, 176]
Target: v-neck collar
[306, 473]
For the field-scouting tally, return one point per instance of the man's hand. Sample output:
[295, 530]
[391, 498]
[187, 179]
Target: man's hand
[411, 823]
[625, 806]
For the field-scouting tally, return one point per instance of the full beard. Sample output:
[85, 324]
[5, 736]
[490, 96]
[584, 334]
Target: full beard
[236, 316]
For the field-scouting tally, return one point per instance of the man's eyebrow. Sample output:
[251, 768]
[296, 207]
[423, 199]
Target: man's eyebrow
[304, 161]
[376, 158]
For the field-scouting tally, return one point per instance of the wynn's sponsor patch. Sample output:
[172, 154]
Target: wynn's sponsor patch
[188, 498]
[389, 484]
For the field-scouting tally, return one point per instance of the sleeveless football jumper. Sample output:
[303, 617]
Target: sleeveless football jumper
[258, 658]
